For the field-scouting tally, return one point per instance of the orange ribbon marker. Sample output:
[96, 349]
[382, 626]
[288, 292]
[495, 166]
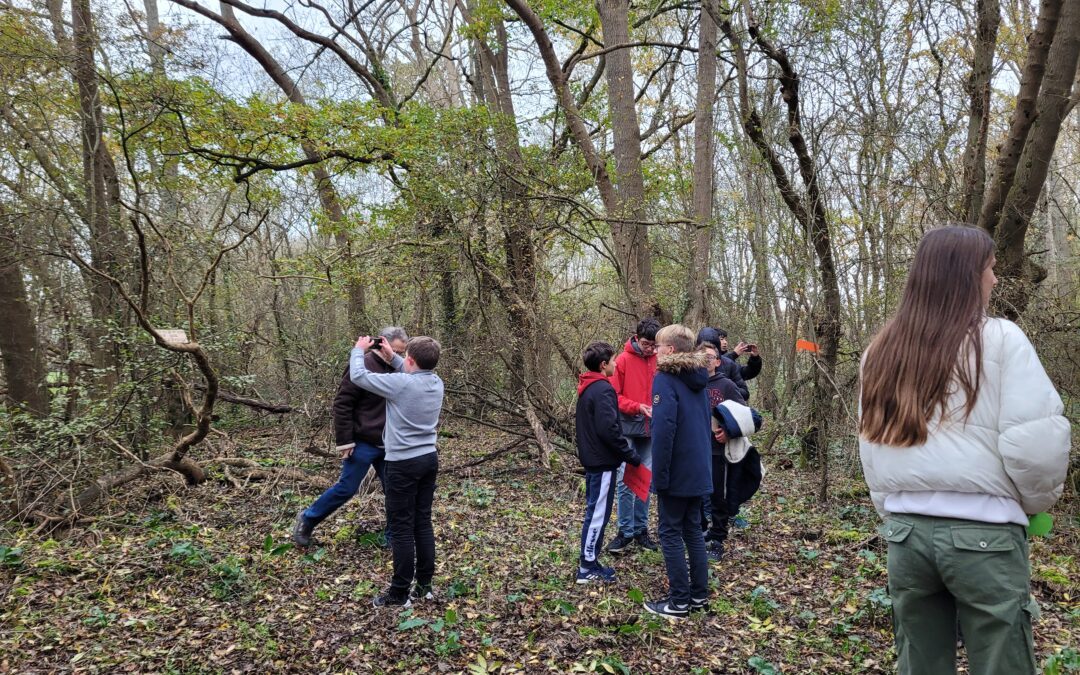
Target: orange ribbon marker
[805, 346]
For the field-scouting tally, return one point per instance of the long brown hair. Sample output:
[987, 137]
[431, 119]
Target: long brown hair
[926, 350]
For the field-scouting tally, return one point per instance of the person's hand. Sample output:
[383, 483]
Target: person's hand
[754, 351]
[720, 435]
[347, 452]
[646, 410]
[741, 348]
[386, 351]
[364, 342]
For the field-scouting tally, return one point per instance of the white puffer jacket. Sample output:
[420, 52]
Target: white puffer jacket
[1014, 444]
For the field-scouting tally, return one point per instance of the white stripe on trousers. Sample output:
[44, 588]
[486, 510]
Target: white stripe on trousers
[599, 515]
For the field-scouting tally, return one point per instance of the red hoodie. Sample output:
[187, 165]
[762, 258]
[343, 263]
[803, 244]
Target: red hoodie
[633, 379]
[587, 378]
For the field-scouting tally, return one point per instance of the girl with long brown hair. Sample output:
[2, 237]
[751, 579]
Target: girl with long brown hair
[961, 436]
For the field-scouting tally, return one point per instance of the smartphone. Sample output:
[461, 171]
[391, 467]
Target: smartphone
[377, 342]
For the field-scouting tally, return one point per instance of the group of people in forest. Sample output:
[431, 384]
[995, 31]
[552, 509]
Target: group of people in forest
[962, 437]
[674, 404]
[386, 413]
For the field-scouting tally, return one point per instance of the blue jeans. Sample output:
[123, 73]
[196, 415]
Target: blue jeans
[353, 469]
[599, 495]
[634, 513]
[683, 544]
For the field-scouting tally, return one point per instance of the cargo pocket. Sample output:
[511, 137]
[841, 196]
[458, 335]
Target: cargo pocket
[1028, 616]
[985, 539]
[987, 565]
[1031, 608]
[894, 530]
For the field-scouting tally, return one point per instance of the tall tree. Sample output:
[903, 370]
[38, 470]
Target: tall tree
[20, 347]
[101, 191]
[629, 216]
[623, 208]
[809, 211]
[1053, 104]
[988, 18]
[697, 314]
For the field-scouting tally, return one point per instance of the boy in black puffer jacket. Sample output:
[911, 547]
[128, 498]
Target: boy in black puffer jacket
[601, 449]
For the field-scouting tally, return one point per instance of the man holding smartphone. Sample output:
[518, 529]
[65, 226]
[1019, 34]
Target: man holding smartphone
[753, 365]
[359, 417]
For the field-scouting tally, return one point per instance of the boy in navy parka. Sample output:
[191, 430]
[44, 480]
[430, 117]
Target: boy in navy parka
[682, 469]
[601, 449]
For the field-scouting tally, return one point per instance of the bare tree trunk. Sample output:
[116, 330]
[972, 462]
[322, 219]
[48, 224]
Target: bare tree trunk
[988, 13]
[528, 356]
[1023, 114]
[101, 192]
[631, 235]
[20, 347]
[170, 204]
[697, 314]
[630, 279]
[1020, 274]
[809, 211]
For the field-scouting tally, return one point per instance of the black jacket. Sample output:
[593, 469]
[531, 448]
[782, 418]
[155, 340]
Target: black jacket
[600, 442]
[721, 389]
[752, 368]
[733, 372]
[360, 415]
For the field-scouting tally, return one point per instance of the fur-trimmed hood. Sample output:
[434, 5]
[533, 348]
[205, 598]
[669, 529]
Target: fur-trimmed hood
[678, 361]
[690, 367]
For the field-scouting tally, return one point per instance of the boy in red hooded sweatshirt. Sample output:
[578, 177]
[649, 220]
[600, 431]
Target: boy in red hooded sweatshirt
[601, 449]
[633, 380]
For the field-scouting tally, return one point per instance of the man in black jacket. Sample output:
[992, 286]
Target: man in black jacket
[601, 449]
[359, 417]
[753, 364]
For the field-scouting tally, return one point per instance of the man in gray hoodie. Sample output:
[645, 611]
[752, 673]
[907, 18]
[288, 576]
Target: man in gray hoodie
[414, 396]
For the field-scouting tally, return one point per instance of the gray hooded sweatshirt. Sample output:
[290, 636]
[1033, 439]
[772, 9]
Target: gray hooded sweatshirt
[413, 404]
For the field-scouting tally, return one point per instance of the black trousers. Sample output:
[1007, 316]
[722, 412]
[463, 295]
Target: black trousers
[721, 509]
[683, 545]
[410, 490]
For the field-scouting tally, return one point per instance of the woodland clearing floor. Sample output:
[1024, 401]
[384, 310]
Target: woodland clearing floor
[197, 580]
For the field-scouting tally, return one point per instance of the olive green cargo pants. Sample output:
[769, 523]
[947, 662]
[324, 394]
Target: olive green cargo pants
[943, 569]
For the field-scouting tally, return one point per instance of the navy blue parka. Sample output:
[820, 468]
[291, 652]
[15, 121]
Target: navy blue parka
[681, 426]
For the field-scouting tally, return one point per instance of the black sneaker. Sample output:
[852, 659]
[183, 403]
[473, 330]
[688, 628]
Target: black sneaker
[668, 609]
[644, 541]
[699, 605]
[715, 551]
[619, 544]
[604, 575]
[302, 529]
[422, 593]
[390, 599]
